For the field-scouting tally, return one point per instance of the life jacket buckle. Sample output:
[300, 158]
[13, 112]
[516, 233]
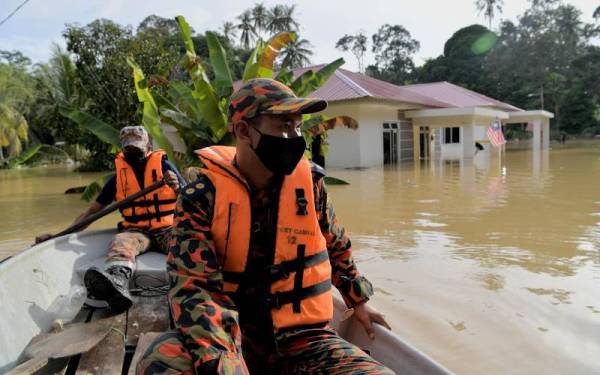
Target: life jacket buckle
[302, 202]
[278, 272]
[274, 300]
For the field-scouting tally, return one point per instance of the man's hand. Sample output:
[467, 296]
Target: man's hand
[171, 180]
[42, 237]
[366, 316]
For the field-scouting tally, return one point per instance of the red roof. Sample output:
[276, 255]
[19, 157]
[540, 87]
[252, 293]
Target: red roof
[346, 85]
[456, 96]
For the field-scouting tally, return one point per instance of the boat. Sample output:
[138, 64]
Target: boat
[31, 281]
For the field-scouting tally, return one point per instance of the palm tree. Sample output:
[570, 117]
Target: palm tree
[60, 78]
[13, 131]
[260, 16]
[489, 8]
[296, 54]
[282, 18]
[246, 26]
[229, 30]
[16, 95]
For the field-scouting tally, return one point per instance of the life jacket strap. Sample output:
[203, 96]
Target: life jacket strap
[276, 300]
[280, 271]
[145, 217]
[146, 203]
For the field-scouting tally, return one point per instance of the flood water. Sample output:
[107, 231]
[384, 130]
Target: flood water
[489, 266]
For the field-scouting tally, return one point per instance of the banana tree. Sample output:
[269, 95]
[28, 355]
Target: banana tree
[198, 112]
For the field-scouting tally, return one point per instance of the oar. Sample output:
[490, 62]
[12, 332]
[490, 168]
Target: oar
[108, 209]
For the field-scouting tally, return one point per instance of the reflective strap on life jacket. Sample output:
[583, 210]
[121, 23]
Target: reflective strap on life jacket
[144, 217]
[279, 271]
[277, 300]
[148, 203]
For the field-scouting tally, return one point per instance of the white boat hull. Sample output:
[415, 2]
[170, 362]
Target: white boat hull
[33, 279]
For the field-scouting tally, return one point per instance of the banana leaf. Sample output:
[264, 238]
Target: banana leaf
[307, 83]
[99, 128]
[183, 123]
[223, 83]
[285, 76]
[251, 68]
[204, 92]
[272, 49]
[183, 99]
[94, 188]
[319, 124]
[151, 116]
[186, 33]
[301, 81]
[24, 156]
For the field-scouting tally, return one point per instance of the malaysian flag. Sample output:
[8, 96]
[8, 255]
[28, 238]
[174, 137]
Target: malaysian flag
[495, 135]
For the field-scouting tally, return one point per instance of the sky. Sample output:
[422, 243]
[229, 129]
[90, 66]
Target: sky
[37, 25]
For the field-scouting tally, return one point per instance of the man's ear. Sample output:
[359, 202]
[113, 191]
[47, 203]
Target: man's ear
[241, 130]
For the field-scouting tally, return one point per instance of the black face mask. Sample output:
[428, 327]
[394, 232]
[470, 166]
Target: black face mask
[135, 157]
[280, 155]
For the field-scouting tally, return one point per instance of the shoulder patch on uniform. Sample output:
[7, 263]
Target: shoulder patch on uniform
[317, 170]
[198, 187]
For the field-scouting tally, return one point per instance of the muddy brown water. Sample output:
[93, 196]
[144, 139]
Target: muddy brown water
[489, 266]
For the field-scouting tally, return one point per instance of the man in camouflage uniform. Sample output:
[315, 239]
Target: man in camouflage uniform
[111, 284]
[233, 333]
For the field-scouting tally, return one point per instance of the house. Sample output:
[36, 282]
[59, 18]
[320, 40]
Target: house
[425, 121]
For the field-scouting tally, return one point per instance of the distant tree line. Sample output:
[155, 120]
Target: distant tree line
[547, 58]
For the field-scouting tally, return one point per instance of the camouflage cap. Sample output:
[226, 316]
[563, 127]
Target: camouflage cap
[266, 96]
[135, 136]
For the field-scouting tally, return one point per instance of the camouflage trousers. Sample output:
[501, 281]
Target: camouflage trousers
[308, 351]
[128, 244]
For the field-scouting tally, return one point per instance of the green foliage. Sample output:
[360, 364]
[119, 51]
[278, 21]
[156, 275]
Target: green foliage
[16, 96]
[104, 132]
[548, 49]
[23, 157]
[393, 47]
[309, 81]
[223, 82]
[95, 187]
[355, 43]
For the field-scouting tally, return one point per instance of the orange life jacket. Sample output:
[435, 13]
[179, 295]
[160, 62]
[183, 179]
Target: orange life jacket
[152, 211]
[300, 278]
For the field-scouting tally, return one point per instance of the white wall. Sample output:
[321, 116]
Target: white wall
[371, 122]
[362, 147]
[344, 144]
[452, 150]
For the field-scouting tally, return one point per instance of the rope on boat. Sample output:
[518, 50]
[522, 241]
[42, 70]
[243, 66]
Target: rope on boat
[119, 332]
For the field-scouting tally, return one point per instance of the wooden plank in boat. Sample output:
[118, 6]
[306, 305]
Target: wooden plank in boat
[107, 357]
[46, 345]
[29, 367]
[143, 343]
[148, 314]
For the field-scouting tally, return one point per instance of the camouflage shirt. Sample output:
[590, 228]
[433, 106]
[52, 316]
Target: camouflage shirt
[207, 317]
